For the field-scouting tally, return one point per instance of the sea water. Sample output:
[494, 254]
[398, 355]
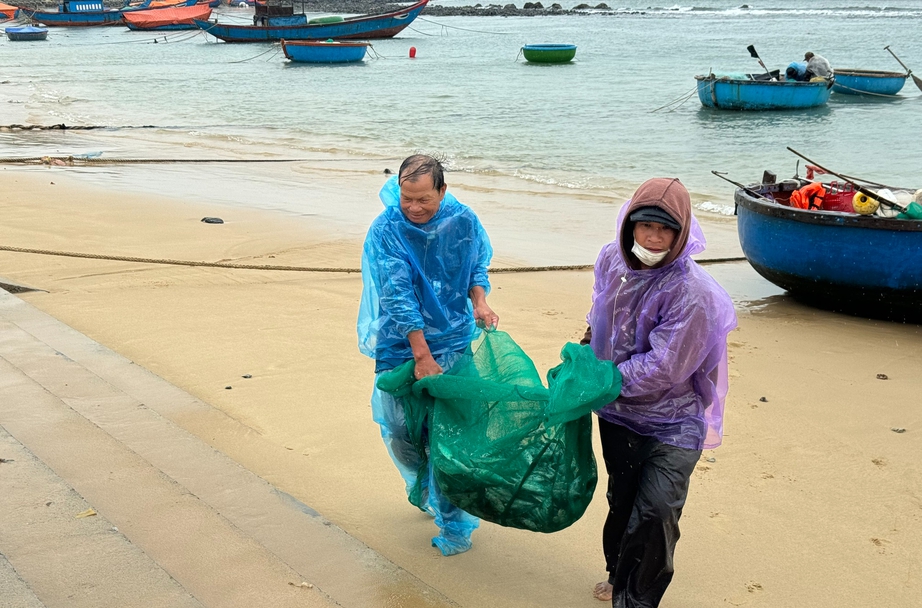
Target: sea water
[624, 110]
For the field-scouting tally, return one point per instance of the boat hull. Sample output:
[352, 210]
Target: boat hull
[737, 94]
[838, 260]
[364, 27]
[549, 53]
[307, 51]
[107, 17]
[873, 82]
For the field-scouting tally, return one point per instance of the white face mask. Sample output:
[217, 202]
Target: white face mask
[646, 256]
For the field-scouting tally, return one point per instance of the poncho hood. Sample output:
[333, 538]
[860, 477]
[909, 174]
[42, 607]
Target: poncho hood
[671, 196]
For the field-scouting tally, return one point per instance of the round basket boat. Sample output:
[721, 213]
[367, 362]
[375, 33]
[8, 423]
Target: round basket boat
[549, 53]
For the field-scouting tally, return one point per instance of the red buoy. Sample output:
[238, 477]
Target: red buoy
[412, 52]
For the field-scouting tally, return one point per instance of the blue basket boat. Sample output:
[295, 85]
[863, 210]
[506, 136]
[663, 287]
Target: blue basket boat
[328, 51]
[549, 53]
[26, 32]
[868, 82]
[832, 259]
[757, 92]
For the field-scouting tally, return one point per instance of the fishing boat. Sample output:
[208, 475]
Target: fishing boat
[769, 91]
[868, 82]
[170, 18]
[26, 32]
[72, 13]
[327, 51]
[549, 53]
[834, 259]
[278, 22]
[8, 11]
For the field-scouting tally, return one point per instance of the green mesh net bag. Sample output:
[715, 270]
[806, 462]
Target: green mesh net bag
[503, 446]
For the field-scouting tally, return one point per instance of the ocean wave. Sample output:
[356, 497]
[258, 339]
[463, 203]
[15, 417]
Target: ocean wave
[751, 10]
[711, 207]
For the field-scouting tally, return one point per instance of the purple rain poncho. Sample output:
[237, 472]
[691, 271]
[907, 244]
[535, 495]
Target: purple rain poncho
[418, 276]
[666, 329]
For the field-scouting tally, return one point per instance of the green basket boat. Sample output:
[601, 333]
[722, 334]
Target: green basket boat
[549, 53]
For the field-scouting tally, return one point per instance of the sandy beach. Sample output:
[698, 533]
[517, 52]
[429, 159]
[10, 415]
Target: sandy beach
[815, 498]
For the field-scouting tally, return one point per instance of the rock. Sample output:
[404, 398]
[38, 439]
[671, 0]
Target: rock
[898, 429]
[603, 7]
[247, 376]
[882, 377]
[581, 7]
[212, 220]
[227, 388]
[763, 399]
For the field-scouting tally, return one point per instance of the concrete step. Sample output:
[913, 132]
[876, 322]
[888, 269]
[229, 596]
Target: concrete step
[227, 537]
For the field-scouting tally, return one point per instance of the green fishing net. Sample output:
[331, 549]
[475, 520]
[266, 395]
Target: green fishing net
[912, 212]
[503, 446]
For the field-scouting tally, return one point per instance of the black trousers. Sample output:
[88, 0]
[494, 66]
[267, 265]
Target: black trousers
[647, 487]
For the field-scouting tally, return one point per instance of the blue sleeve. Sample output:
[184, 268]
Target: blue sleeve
[394, 277]
[484, 253]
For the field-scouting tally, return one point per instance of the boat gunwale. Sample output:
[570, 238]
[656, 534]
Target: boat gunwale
[833, 219]
[871, 73]
[398, 14]
[788, 83]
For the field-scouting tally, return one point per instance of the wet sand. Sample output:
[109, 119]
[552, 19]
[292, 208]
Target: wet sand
[813, 500]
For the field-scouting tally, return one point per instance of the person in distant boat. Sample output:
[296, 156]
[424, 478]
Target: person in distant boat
[664, 321]
[817, 65]
[424, 294]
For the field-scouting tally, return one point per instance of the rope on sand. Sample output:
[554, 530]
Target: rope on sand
[122, 258]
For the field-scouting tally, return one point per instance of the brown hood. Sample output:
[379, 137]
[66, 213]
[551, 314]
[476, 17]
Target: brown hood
[668, 194]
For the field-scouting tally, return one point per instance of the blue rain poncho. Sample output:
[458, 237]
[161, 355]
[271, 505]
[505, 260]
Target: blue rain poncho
[418, 276]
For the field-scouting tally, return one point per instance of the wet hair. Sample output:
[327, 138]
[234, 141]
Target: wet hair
[418, 165]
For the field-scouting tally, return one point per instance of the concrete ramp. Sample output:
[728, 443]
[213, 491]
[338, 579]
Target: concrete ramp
[112, 504]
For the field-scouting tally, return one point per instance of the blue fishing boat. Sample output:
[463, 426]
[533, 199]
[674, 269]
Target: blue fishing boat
[26, 32]
[273, 23]
[327, 51]
[734, 91]
[72, 13]
[833, 259]
[870, 82]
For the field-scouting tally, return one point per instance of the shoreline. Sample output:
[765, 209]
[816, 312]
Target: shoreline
[810, 485]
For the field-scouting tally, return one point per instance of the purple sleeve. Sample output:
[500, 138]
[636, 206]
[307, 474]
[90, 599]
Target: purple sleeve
[678, 347]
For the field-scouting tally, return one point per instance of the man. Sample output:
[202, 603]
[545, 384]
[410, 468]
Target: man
[664, 321]
[424, 274]
[817, 66]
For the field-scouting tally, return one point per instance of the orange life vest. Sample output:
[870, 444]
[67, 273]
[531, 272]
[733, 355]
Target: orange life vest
[809, 197]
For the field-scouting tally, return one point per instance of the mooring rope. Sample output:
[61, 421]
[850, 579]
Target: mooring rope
[234, 265]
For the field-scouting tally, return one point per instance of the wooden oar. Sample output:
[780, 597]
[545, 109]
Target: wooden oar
[752, 53]
[915, 79]
[865, 191]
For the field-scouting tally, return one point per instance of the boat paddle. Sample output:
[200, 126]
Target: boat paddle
[752, 53]
[865, 191]
[915, 79]
[745, 189]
